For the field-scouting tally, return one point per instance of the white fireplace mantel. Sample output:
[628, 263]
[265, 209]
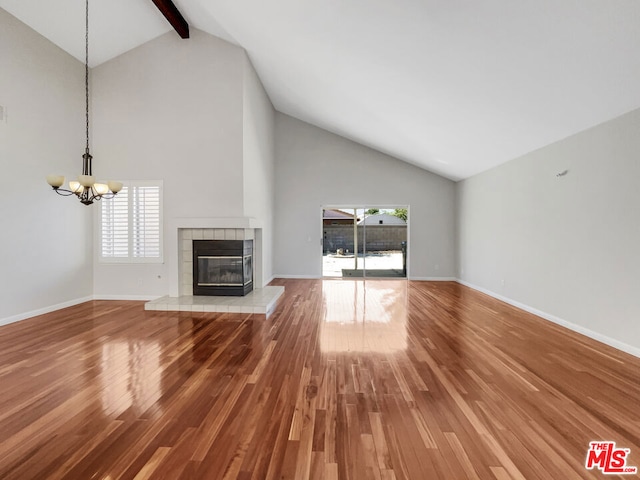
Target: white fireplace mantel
[172, 249]
[215, 222]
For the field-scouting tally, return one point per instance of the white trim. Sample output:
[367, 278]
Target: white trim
[269, 280]
[42, 311]
[310, 277]
[434, 279]
[214, 222]
[135, 298]
[559, 321]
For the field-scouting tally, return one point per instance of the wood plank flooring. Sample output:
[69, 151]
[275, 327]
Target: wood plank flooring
[383, 379]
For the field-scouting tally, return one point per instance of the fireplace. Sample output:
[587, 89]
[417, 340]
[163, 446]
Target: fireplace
[222, 267]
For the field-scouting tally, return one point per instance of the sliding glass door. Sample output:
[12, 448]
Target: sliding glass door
[364, 241]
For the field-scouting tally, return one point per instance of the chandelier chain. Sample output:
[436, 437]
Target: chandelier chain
[86, 189]
[86, 70]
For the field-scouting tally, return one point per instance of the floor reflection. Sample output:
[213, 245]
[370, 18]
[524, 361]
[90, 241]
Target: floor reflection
[130, 375]
[364, 316]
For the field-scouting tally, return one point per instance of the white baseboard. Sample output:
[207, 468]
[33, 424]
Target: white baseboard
[612, 342]
[42, 311]
[434, 279]
[309, 277]
[136, 298]
[420, 279]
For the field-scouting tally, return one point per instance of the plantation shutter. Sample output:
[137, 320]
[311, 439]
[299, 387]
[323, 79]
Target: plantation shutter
[146, 222]
[131, 224]
[115, 226]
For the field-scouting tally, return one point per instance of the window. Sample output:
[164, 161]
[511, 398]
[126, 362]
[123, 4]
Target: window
[131, 224]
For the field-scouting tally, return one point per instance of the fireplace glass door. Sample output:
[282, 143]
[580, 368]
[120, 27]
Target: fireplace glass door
[222, 267]
[224, 271]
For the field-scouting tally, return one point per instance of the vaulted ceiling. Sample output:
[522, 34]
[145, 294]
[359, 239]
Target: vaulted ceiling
[453, 86]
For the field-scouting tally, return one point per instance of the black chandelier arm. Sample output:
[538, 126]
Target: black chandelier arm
[99, 196]
[63, 192]
[86, 196]
[108, 196]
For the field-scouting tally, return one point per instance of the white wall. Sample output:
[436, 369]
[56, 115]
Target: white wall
[171, 110]
[567, 246]
[259, 164]
[45, 246]
[316, 168]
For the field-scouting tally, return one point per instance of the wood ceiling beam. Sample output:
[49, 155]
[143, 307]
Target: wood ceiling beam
[173, 15]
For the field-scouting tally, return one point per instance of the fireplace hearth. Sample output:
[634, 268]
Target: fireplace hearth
[222, 267]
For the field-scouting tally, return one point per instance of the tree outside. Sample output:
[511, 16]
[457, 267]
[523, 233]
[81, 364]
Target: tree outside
[400, 213]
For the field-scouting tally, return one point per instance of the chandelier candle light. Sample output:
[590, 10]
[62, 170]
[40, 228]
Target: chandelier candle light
[85, 188]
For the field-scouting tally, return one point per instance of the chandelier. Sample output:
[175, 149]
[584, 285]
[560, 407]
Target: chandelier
[85, 188]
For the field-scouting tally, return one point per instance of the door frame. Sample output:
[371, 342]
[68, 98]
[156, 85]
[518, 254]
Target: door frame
[365, 207]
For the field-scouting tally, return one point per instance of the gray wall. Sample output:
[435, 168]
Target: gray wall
[45, 246]
[315, 168]
[171, 110]
[566, 246]
[259, 165]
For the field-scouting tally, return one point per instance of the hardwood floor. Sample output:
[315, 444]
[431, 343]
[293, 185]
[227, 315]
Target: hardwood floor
[380, 379]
